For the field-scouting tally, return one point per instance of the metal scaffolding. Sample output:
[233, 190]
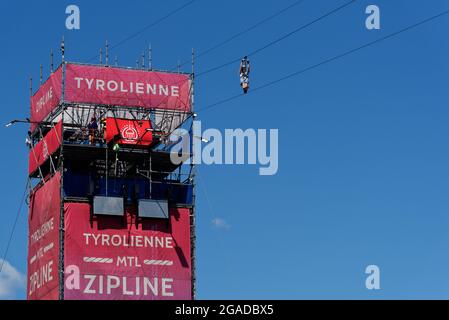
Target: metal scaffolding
[78, 149]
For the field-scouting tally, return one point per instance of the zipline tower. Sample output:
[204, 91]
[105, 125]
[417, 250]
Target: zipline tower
[111, 216]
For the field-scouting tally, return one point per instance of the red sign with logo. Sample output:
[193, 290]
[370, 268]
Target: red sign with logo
[126, 87]
[135, 132]
[46, 99]
[44, 148]
[43, 243]
[109, 259]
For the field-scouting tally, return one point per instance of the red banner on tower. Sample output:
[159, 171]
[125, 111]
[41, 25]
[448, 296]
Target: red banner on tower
[46, 99]
[111, 86]
[107, 258]
[125, 87]
[43, 243]
[44, 148]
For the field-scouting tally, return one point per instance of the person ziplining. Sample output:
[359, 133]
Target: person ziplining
[244, 74]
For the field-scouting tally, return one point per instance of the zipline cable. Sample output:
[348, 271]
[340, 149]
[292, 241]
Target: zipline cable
[285, 36]
[337, 57]
[238, 34]
[14, 227]
[154, 23]
[302, 27]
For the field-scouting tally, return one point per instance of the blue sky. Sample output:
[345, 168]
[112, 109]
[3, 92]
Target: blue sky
[363, 157]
